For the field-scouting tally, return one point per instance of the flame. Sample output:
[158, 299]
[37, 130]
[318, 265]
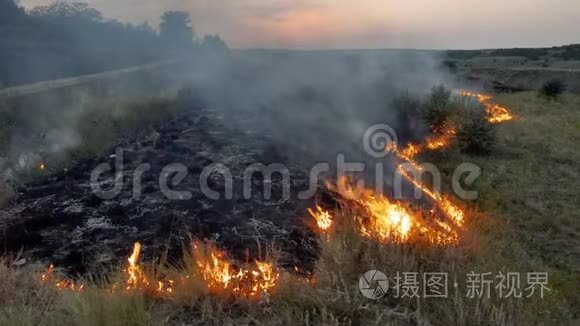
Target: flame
[63, 284]
[136, 278]
[378, 218]
[220, 276]
[391, 221]
[410, 152]
[440, 141]
[496, 113]
[251, 281]
[42, 166]
[322, 217]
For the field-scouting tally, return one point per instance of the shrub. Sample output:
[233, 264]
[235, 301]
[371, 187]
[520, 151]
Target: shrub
[450, 65]
[437, 110]
[553, 89]
[407, 108]
[475, 134]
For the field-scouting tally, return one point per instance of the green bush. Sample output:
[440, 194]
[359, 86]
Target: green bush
[437, 109]
[553, 89]
[475, 135]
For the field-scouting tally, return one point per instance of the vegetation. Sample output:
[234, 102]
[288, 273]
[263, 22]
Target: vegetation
[528, 184]
[332, 297]
[437, 109]
[66, 39]
[528, 53]
[441, 113]
[553, 89]
[510, 229]
[475, 135]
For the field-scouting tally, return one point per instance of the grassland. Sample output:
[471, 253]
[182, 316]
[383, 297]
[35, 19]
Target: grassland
[524, 220]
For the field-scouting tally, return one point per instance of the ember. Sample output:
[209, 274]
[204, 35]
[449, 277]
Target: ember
[64, 284]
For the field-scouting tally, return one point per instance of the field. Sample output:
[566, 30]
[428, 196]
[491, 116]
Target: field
[524, 220]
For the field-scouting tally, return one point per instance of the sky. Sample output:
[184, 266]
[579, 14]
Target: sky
[365, 24]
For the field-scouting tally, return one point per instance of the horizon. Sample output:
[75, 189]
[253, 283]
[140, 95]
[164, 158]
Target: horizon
[370, 25]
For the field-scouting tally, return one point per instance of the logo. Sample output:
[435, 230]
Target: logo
[373, 284]
[379, 140]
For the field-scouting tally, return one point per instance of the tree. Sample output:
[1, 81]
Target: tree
[9, 11]
[214, 43]
[175, 29]
[66, 10]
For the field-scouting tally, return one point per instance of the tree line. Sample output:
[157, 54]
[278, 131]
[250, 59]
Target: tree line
[65, 39]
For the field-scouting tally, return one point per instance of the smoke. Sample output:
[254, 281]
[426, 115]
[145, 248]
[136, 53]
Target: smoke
[315, 104]
[319, 103]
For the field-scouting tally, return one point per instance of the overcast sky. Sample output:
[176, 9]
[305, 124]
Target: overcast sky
[437, 24]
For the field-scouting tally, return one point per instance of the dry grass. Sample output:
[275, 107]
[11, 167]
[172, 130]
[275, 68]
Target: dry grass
[523, 221]
[330, 297]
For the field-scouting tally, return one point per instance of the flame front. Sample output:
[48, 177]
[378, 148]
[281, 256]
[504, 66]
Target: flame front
[253, 281]
[391, 221]
[496, 113]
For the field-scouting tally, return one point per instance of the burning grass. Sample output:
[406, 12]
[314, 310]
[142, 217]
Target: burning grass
[391, 221]
[368, 231]
[495, 112]
[207, 287]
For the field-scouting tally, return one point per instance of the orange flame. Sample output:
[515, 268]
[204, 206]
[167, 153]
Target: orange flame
[322, 217]
[64, 284]
[390, 221]
[496, 113]
[252, 281]
[221, 277]
[136, 278]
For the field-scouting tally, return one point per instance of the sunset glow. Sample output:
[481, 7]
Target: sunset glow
[364, 24]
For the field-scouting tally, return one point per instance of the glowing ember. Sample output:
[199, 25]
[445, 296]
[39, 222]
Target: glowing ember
[496, 113]
[65, 284]
[322, 217]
